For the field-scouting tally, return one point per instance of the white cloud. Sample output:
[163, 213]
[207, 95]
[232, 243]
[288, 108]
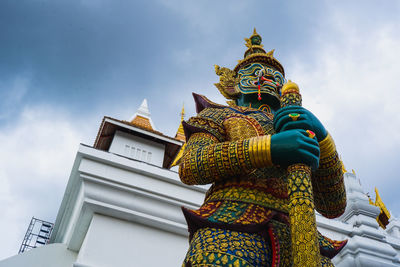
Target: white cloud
[36, 156]
[352, 87]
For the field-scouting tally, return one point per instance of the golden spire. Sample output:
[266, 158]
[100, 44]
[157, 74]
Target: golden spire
[180, 134]
[183, 112]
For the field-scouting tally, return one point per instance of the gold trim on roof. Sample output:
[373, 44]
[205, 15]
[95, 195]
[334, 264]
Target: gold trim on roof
[384, 216]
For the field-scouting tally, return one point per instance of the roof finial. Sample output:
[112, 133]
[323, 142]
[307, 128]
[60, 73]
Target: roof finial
[183, 112]
[142, 117]
[144, 109]
[180, 134]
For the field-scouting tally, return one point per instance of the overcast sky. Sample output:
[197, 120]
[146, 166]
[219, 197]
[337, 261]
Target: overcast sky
[66, 64]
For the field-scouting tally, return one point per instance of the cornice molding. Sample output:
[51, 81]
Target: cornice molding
[111, 185]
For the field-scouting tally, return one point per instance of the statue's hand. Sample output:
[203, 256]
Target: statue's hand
[306, 121]
[294, 146]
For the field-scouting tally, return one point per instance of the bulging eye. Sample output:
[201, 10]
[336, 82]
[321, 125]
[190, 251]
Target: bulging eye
[259, 73]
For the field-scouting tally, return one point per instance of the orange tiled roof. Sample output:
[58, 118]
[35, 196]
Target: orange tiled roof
[142, 122]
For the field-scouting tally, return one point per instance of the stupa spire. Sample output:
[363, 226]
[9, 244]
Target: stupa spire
[144, 109]
[180, 134]
[183, 112]
[142, 117]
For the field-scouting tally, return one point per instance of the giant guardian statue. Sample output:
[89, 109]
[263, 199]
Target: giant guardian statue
[270, 163]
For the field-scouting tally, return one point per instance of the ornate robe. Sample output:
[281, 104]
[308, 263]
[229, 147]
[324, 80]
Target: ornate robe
[244, 219]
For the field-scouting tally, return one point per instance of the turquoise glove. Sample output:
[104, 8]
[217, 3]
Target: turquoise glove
[306, 121]
[294, 146]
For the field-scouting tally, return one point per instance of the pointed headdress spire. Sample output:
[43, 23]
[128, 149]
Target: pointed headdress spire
[256, 53]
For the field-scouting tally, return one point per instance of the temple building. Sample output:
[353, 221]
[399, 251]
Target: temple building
[122, 207]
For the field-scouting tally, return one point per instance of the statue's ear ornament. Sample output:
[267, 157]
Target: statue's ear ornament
[228, 80]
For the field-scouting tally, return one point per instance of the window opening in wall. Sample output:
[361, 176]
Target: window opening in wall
[133, 150]
[137, 153]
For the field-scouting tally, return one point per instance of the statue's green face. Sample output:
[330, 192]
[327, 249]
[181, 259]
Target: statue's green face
[269, 80]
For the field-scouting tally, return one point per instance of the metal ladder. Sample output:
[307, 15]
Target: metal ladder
[37, 234]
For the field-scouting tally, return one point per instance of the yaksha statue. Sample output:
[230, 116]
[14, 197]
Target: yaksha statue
[270, 164]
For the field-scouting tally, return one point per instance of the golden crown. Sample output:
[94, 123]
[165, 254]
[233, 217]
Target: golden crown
[255, 53]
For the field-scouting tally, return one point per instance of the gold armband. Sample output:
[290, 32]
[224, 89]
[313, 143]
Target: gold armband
[260, 151]
[327, 147]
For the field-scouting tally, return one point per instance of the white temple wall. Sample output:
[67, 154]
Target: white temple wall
[333, 229]
[114, 242]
